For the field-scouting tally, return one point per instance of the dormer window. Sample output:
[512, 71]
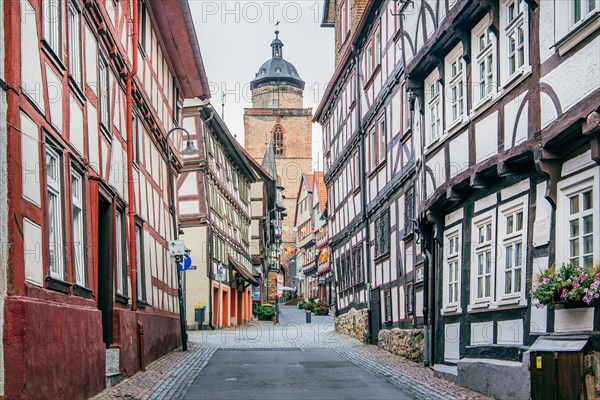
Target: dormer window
[278, 70]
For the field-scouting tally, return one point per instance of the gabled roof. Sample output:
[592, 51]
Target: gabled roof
[259, 169]
[320, 190]
[231, 147]
[176, 28]
[306, 182]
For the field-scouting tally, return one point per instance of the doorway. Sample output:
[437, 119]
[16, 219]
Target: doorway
[375, 314]
[105, 268]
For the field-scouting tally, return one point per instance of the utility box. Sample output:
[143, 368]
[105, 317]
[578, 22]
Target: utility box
[557, 368]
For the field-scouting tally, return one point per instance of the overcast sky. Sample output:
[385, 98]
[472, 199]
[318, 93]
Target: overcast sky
[235, 39]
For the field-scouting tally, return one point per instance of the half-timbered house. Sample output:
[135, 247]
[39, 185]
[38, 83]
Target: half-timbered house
[371, 157]
[93, 87]
[305, 236]
[215, 216]
[506, 100]
[325, 276]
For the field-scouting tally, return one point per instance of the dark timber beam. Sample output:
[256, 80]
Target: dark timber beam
[476, 181]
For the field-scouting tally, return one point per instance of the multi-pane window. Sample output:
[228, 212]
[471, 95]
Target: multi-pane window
[141, 289]
[452, 266]
[344, 21]
[54, 222]
[136, 137]
[75, 43]
[120, 252]
[142, 34]
[434, 107]
[358, 264]
[581, 9]
[387, 304]
[455, 92]
[104, 93]
[382, 234]
[369, 61]
[409, 211]
[356, 165]
[78, 227]
[373, 143]
[410, 299]
[381, 149]
[581, 228]
[52, 25]
[516, 35]
[278, 145]
[406, 110]
[513, 251]
[485, 66]
[483, 260]
[377, 53]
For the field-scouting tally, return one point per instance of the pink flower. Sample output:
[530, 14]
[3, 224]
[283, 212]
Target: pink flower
[545, 280]
[581, 278]
[598, 275]
[575, 286]
[564, 294]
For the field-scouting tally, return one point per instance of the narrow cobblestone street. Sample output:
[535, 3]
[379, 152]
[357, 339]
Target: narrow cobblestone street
[290, 360]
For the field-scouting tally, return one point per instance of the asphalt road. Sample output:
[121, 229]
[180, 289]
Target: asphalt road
[286, 374]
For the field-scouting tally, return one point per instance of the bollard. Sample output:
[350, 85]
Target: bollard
[277, 312]
[308, 316]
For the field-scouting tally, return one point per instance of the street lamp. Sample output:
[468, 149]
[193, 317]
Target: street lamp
[189, 150]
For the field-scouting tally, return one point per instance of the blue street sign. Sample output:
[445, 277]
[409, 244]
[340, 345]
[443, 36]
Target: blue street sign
[187, 263]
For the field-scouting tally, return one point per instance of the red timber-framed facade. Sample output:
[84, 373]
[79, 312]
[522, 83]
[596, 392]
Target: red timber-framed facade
[214, 209]
[93, 89]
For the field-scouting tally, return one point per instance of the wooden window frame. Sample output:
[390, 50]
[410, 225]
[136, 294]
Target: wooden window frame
[53, 27]
[79, 225]
[75, 43]
[55, 189]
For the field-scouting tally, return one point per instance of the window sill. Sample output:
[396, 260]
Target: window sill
[451, 310]
[578, 33]
[119, 298]
[515, 79]
[479, 307]
[382, 257]
[58, 285]
[141, 304]
[515, 302]
[82, 291]
[480, 105]
[378, 168]
[56, 61]
[456, 126]
[75, 87]
[433, 145]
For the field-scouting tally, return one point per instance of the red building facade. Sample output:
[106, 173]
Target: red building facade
[93, 88]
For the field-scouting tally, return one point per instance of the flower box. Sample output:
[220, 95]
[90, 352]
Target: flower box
[571, 286]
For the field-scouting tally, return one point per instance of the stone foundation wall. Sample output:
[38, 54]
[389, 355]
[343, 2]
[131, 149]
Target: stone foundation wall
[354, 323]
[407, 343]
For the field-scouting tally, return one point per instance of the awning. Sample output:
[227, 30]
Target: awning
[560, 343]
[243, 272]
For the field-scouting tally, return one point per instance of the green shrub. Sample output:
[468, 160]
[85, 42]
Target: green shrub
[264, 312]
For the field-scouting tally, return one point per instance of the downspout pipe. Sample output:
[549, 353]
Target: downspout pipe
[130, 155]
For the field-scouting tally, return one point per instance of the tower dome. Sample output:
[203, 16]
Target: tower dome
[277, 71]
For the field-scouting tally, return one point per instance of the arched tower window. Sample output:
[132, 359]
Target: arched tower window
[278, 146]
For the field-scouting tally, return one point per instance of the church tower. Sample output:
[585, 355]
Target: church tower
[278, 118]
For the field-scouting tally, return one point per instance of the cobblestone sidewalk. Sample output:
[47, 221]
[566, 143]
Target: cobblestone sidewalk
[406, 375]
[169, 377]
